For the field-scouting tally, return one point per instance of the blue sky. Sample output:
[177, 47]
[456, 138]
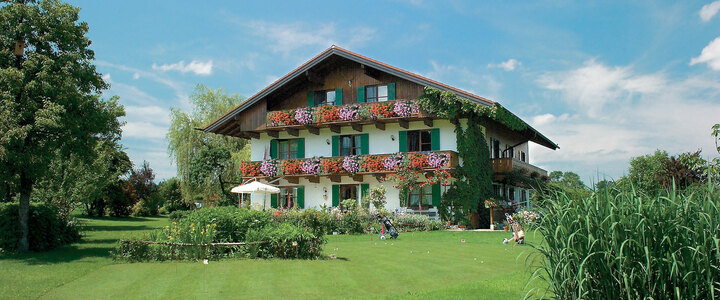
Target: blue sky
[605, 80]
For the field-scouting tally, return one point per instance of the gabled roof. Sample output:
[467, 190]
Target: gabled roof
[380, 66]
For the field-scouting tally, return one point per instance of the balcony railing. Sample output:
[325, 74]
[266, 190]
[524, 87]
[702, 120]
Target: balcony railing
[506, 165]
[338, 115]
[353, 165]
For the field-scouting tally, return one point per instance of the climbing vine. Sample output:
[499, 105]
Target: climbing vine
[448, 105]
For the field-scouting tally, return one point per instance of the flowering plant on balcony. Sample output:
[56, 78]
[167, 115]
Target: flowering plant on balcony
[281, 117]
[417, 160]
[269, 167]
[291, 166]
[332, 165]
[372, 163]
[349, 112]
[351, 163]
[249, 168]
[405, 108]
[438, 160]
[311, 166]
[327, 113]
[394, 161]
[304, 115]
[381, 110]
[439, 176]
[491, 203]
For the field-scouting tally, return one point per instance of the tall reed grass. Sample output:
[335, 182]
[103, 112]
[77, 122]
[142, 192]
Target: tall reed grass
[618, 244]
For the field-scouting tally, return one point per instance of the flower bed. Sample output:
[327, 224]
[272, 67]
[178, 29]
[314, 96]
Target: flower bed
[351, 112]
[348, 164]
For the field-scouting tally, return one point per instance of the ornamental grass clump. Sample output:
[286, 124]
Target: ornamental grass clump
[618, 244]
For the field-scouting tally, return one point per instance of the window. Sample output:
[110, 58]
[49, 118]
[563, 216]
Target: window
[508, 152]
[376, 93]
[522, 156]
[495, 148]
[511, 194]
[324, 97]
[348, 191]
[287, 149]
[350, 145]
[419, 140]
[498, 191]
[287, 198]
[421, 195]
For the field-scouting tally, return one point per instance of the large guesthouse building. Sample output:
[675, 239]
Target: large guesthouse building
[326, 131]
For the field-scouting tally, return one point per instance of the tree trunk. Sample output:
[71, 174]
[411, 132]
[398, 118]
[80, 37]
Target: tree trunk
[24, 211]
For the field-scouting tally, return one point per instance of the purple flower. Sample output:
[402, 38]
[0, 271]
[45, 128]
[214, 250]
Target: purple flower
[304, 115]
[351, 164]
[349, 112]
[311, 166]
[269, 167]
[393, 161]
[438, 160]
[406, 108]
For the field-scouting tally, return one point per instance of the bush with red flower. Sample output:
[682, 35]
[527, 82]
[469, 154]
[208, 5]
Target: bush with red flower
[291, 166]
[248, 169]
[327, 113]
[417, 161]
[372, 163]
[382, 110]
[332, 165]
[281, 118]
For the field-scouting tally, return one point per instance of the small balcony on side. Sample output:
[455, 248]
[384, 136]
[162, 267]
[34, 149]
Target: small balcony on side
[507, 165]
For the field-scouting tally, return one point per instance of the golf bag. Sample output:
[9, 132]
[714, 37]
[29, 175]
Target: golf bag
[387, 225]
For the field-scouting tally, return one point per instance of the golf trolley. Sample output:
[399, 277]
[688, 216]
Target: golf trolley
[387, 225]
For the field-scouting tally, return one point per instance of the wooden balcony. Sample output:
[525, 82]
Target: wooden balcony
[507, 165]
[378, 173]
[365, 118]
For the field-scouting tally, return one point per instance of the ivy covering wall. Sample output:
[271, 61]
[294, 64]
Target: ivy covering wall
[474, 178]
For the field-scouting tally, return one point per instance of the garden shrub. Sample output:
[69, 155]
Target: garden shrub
[284, 240]
[621, 244]
[415, 222]
[47, 229]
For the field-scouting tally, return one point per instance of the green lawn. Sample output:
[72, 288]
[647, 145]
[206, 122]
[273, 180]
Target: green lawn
[428, 265]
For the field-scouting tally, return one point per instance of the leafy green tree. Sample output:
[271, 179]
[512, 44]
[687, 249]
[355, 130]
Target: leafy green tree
[50, 95]
[646, 172]
[202, 160]
[72, 181]
[171, 194]
[567, 179]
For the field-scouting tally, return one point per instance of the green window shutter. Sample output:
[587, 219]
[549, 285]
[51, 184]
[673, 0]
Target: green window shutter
[435, 139]
[336, 145]
[436, 194]
[273, 149]
[361, 94]
[310, 98]
[391, 91]
[364, 143]
[402, 140]
[338, 97]
[301, 197]
[301, 148]
[335, 195]
[273, 200]
[364, 190]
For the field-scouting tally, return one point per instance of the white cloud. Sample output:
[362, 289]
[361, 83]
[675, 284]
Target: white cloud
[144, 130]
[708, 11]
[709, 55]
[106, 78]
[616, 113]
[197, 67]
[146, 122]
[508, 65]
[286, 38]
[136, 76]
[465, 79]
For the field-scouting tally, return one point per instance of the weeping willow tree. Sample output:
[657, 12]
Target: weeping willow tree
[206, 163]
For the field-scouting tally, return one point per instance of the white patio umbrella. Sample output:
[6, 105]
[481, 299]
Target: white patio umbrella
[255, 187]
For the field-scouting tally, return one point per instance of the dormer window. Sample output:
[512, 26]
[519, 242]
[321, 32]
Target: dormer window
[376, 93]
[325, 97]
